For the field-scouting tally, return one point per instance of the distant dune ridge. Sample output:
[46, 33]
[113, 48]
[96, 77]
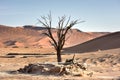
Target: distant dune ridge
[32, 36]
[109, 41]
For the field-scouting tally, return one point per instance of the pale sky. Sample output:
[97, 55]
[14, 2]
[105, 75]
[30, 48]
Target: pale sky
[99, 15]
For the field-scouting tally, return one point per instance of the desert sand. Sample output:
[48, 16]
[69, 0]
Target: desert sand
[105, 64]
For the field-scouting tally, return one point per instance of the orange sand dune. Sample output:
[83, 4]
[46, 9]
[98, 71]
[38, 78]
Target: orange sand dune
[110, 41]
[32, 36]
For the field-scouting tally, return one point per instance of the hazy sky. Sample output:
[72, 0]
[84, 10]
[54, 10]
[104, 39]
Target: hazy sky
[100, 15]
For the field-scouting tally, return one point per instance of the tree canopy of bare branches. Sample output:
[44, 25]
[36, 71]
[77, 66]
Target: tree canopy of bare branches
[63, 26]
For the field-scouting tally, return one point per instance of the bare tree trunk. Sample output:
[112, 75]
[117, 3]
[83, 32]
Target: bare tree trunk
[59, 59]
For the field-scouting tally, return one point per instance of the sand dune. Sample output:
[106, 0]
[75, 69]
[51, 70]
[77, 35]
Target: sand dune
[32, 36]
[110, 41]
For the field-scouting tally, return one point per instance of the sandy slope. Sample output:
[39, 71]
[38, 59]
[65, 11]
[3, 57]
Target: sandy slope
[110, 41]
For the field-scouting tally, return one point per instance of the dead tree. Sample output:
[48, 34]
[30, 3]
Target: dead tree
[62, 29]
